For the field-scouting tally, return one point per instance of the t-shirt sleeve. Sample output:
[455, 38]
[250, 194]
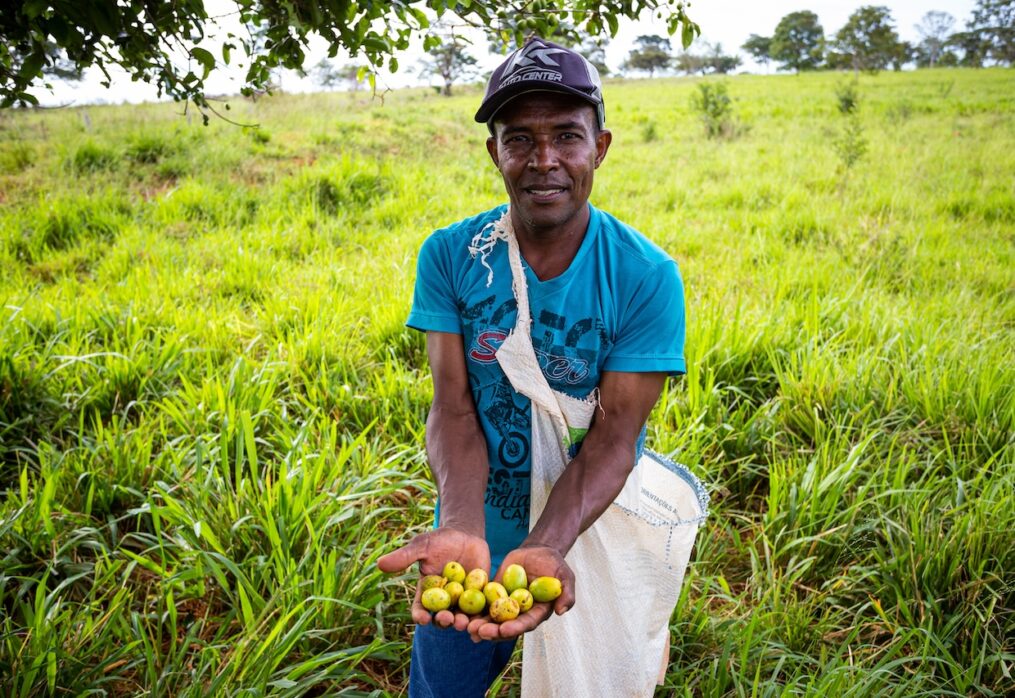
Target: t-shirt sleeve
[650, 335]
[433, 298]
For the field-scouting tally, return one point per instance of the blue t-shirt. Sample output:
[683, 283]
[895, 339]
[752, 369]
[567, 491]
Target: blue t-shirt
[619, 306]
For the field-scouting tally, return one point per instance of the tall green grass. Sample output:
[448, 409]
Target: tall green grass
[211, 414]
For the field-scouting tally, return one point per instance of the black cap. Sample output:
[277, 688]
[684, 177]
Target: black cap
[542, 66]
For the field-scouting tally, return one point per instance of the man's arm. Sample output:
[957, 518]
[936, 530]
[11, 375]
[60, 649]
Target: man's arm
[586, 488]
[456, 450]
[455, 444]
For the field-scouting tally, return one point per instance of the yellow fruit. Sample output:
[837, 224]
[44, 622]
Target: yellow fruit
[523, 597]
[545, 588]
[471, 601]
[433, 581]
[504, 609]
[454, 590]
[515, 578]
[435, 599]
[476, 579]
[494, 591]
[454, 572]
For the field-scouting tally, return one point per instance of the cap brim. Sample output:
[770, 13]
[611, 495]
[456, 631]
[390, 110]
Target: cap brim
[488, 110]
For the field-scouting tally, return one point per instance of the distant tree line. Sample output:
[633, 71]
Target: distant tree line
[868, 41]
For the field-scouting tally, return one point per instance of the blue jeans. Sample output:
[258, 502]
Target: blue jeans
[446, 663]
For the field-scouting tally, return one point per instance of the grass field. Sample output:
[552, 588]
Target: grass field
[211, 415]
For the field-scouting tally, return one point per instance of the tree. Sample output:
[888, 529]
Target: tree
[720, 63]
[934, 29]
[651, 53]
[994, 22]
[450, 62]
[759, 48]
[711, 60]
[328, 74]
[160, 42]
[690, 63]
[594, 51]
[973, 46]
[868, 39]
[798, 41]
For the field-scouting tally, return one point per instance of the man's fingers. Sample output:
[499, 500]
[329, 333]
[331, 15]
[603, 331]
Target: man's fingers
[565, 601]
[525, 622]
[400, 559]
[444, 619]
[461, 621]
[420, 616]
[475, 624]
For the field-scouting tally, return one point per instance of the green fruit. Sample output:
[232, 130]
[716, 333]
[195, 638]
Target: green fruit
[454, 572]
[545, 588]
[436, 599]
[454, 590]
[476, 579]
[523, 597]
[471, 601]
[515, 578]
[504, 609]
[494, 591]
[433, 581]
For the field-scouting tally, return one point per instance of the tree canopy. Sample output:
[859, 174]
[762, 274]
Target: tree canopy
[994, 22]
[868, 40]
[935, 29]
[798, 41]
[651, 53]
[758, 47]
[160, 42]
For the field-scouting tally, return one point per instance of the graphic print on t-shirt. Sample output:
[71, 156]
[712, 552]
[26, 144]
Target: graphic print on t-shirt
[568, 352]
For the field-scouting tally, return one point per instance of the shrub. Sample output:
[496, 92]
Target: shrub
[851, 145]
[848, 96]
[649, 133]
[715, 107]
[149, 148]
[15, 157]
[90, 157]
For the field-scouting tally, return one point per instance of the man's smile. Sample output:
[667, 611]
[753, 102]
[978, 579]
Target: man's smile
[545, 194]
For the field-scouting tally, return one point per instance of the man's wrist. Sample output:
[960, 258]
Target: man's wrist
[470, 527]
[555, 545]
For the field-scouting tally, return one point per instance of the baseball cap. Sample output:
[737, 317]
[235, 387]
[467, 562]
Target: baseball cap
[542, 66]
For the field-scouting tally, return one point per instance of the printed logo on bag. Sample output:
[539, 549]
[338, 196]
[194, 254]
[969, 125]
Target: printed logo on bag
[523, 65]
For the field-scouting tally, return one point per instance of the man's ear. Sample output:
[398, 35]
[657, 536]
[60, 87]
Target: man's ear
[603, 140]
[491, 147]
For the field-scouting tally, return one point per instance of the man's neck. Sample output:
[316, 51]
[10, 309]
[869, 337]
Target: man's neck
[550, 251]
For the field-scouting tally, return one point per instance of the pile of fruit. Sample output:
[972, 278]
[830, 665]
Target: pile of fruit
[471, 593]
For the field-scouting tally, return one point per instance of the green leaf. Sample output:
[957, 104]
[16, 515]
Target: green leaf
[375, 43]
[687, 33]
[205, 58]
[32, 66]
[34, 8]
[611, 19]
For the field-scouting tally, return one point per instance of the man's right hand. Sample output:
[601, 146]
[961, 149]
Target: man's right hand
[432, 550]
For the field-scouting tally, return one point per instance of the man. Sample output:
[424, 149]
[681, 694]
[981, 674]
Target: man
[607, 321]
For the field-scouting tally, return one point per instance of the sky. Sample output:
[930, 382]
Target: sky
[724, 21]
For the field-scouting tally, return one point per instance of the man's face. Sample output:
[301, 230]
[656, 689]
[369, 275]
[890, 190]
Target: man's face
[547, 147]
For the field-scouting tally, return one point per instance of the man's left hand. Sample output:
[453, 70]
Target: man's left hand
[538, 561]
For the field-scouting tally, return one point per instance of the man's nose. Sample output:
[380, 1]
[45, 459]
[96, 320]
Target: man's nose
[544, 156]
